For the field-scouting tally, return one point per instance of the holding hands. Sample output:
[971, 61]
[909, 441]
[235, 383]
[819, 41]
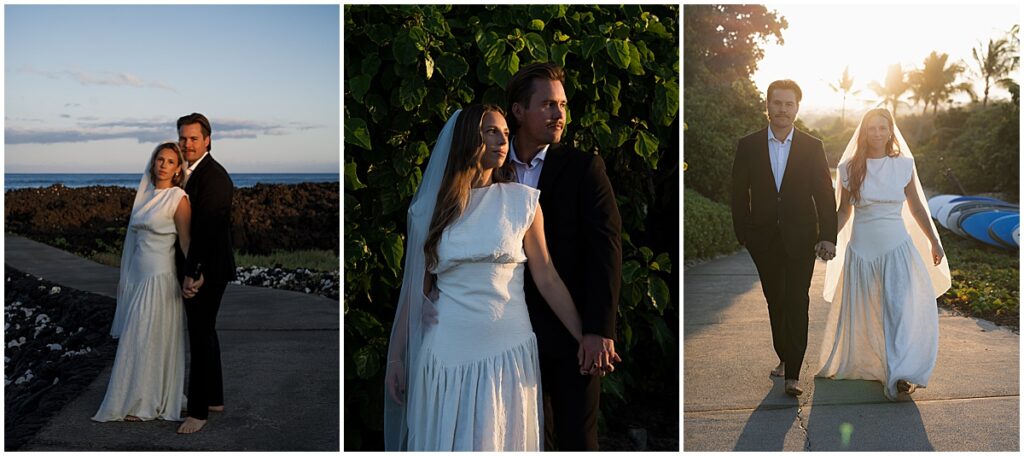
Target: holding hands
[825, 250]
[190, 286]
[596, 355]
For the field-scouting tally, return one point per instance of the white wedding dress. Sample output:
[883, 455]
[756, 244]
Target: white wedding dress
[148, 377]
[884, 326]
[475, 384]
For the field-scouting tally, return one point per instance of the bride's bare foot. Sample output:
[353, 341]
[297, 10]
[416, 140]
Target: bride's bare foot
[216, 408]
[191, 425]
[132, 418]
[779, 370]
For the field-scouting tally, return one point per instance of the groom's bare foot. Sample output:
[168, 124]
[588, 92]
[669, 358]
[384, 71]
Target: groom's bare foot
[132, 418]
[216, 408]
[779, 370]
[191, 425]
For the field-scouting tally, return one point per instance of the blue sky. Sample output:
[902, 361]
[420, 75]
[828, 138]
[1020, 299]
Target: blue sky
[92, 89]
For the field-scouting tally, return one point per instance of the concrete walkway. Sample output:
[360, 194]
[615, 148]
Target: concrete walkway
[280, 358]
[971, 404]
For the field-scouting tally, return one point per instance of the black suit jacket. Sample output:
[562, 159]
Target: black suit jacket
[803, 211]
[210, 192]
[582, 228]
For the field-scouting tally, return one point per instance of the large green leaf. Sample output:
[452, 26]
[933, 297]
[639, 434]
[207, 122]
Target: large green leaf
[631, 270]
[635, 62]
[537, 46]
[535, 24]
[558, 53]
[618, 50]
[592, 44]
[647, 147]
[666, 102]
[371, 63]
[351, 178]
[359, 85]
[411, 93]
[503, 69]
[662, 263]
[409, 44]
[612, 87]
[367, 362]
[659, 293]
[363, 323]
[356, 133]
[393, 249]
[452, 66]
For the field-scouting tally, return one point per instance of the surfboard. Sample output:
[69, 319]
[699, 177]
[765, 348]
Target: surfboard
[976, 226]
[1001, 229]
[936, 202]
[964, 208]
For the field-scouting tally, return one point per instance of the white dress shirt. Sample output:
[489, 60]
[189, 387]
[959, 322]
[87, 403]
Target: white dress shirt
[527, 174]
[192, 167]
[778, 151]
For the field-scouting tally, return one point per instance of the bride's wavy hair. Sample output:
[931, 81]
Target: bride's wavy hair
[177, 179]
[463, 167]
[858, 166]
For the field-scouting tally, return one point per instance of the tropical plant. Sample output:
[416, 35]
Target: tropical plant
[895, 86]
[936, 81]
[994, 61]
[409, 67]
[845, 86]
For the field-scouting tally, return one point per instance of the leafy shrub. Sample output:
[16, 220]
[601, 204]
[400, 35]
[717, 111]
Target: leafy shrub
[708, 229]
[409, 67]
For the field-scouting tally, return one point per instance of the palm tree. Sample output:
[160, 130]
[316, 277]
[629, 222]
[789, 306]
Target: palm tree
[895, 86]
[993, 62]
[844, 85]
[936, 82]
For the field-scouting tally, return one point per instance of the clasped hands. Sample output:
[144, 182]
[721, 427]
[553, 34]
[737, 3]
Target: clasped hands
[825, 250]
[190, 286]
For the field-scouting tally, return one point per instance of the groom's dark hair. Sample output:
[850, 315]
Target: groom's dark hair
[784, 84]
[203, 122]
[520, 88]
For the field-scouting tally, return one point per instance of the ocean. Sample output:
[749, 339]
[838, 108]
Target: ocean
[131, 180]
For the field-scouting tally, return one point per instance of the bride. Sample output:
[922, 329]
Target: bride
[883, 324]
[148, 377]
[471, 380]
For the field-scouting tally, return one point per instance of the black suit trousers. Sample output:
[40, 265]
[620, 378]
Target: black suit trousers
[205, 381]
[571, 404]
[785, 280]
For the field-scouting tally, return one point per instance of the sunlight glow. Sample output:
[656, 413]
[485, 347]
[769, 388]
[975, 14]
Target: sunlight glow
[822, 40]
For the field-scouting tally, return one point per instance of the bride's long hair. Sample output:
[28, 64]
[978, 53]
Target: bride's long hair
[463, 167]
[858, 166]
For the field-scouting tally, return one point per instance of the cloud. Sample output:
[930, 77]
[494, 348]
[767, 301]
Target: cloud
[116, 79]
[146, 130]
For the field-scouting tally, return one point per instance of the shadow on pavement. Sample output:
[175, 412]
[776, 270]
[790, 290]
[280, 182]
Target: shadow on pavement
[866, 420]
[769, 423]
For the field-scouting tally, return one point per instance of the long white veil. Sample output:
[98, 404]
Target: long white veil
[143, 193]
[833, 273]
[407, 330]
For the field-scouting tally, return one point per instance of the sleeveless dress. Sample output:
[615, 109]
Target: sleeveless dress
[885, 324]
[475, 384]
[148, 377]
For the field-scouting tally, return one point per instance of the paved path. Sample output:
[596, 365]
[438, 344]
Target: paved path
[280, 359]
[730, 403]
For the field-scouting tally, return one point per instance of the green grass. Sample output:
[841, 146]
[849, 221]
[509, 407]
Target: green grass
[985, 280]
[317, 260]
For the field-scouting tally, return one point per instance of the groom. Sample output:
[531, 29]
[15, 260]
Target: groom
[582, 228]
[784, 212]
[210, 265]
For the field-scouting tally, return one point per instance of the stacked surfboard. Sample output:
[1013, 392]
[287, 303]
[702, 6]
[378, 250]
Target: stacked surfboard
[989, 220]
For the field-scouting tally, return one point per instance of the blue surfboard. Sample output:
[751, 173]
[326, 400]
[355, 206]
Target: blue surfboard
[1001, 229]
[976, 226]
[936, 202]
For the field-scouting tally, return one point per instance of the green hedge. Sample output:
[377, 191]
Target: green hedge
[407, 68]
[708, 227]
[980, 145]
